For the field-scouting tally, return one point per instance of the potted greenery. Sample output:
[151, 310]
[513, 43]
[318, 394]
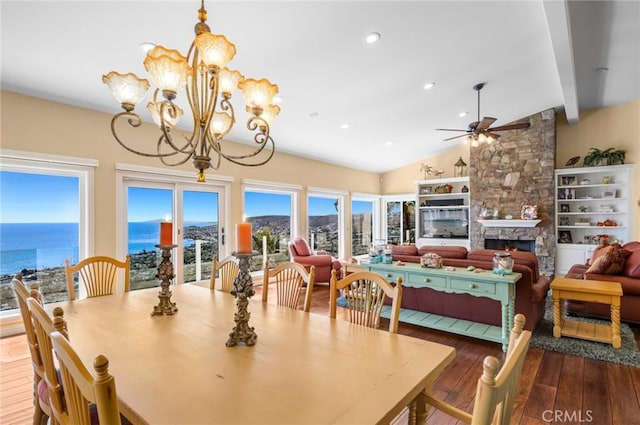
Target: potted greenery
[608, 156]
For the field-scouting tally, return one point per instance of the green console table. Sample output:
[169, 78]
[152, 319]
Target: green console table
[459, 281]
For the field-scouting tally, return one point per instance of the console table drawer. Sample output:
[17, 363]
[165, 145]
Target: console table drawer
[420, 279]
[390, 276]
[473, 286]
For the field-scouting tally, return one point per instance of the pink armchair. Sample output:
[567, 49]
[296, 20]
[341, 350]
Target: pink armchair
[302, 254]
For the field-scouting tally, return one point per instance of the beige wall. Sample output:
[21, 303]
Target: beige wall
[37, 125]
[403, 180]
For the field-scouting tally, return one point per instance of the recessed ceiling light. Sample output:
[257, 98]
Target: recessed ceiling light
[372, 38]
[602, 70]
[429, 85]
[345, 125]
[389, 143]
[277, 99]
[146, 47]
[462, 114]
[314, 114]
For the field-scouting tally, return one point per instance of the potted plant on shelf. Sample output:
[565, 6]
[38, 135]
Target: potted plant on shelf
[608, 156]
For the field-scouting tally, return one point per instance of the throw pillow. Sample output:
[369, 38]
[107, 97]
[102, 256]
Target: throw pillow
[611, 262]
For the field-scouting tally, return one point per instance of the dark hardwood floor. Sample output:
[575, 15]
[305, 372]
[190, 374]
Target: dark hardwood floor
[554, 388]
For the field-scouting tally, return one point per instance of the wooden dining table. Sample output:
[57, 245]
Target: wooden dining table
[305, 368]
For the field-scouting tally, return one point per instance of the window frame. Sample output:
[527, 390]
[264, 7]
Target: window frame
[41, 163]
[340, 195]
[178, 181]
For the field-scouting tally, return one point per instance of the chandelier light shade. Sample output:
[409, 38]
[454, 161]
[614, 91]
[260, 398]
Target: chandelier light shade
[201, 77]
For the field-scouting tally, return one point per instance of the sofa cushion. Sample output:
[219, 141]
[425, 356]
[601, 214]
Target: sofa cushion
[611, 262]
[404, 250]
[301, 247]
[444, 251]
[599, 251]
[632, 264]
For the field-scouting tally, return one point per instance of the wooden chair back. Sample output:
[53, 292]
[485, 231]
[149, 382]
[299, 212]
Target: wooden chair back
[43, 325]
[290, 281]
[22, 295]
[81, 387]
[223, 273]
[497, 387]
[365, 293]
[98, 275]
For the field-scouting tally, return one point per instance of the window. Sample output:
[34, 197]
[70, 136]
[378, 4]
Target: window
[324, 224]
[271, 211]
[362, 225]
[196, 211]
[400, 221]
[44, 220]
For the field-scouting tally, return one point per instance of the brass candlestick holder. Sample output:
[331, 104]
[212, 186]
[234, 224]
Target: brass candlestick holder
[242, 290]
[165, 274]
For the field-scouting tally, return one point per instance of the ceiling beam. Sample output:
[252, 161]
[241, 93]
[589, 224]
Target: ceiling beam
[559, 25]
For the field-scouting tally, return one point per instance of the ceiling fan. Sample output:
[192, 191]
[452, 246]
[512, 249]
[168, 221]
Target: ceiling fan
[482, 129]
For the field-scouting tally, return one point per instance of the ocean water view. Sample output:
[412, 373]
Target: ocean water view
[46, 245]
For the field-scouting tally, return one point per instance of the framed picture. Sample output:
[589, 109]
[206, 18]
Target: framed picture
[563, 221]
[568, 180]
[565, 208]
[529, 212]
[564, 236]
[609, 194]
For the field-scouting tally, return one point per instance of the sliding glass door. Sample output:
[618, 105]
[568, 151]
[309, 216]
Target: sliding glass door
[194, 210]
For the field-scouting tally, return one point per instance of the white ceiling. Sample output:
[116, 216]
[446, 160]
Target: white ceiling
[533, 55]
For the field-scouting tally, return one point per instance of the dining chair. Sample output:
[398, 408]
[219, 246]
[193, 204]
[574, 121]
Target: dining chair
[42, 409]
[496, 390]
[290, 280]
[81, 387]
[97, 274]
[224, 272]
[364, 293]
[43, 325]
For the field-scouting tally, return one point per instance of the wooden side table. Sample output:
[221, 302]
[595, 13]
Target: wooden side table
[598, 291]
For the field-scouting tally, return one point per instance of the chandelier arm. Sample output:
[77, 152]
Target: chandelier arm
[263, 139]
[189, 147]
[134, 121]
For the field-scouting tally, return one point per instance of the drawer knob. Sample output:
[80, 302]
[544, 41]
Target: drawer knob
[472, 286]
[426, 279]
[389, 275]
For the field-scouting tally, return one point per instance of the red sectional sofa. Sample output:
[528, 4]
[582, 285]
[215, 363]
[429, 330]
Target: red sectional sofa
[629, 278]
[531, 289]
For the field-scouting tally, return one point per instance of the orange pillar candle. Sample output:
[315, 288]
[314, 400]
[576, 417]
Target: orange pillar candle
[166, 233]
[243, 238]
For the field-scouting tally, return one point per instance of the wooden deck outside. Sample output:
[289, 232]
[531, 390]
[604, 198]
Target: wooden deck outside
[554, 387]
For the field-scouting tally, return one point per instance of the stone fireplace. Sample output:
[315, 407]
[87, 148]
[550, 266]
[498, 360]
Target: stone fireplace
[516, 170]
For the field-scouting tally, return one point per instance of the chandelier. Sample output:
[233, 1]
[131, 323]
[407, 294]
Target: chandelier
[208, 84]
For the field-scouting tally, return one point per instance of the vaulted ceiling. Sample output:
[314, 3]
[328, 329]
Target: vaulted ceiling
[533, 55]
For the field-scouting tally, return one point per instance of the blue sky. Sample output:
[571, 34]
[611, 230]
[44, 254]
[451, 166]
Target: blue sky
[28, 198]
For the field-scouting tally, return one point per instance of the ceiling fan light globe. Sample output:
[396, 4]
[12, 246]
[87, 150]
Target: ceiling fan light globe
[482, 138]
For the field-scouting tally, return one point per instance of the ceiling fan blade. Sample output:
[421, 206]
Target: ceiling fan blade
[486, 123]
[519, 126]
[489, 133]
[454, 137]
[449, 129]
